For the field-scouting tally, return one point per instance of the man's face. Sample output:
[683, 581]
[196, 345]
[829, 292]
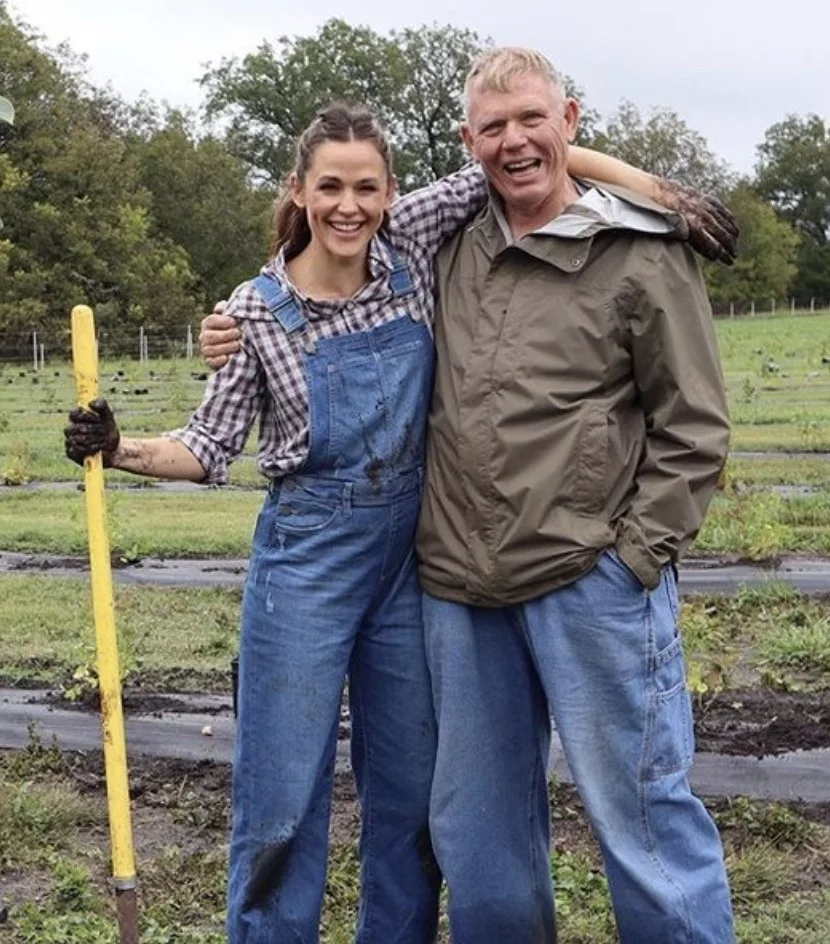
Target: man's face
[520, 137]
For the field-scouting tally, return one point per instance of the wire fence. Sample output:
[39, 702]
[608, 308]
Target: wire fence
[770, 306]
[46, 348]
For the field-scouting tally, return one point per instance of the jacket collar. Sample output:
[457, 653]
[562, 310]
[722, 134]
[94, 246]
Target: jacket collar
[566, 241]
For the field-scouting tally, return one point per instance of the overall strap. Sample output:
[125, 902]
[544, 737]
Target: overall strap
[399, 277]
[282, 304]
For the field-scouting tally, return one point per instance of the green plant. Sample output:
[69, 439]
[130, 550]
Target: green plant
[776, 825]
[762, 873]
[35, 759]
[84, 684]
[17, 469]
[805, 647]
[578, 884]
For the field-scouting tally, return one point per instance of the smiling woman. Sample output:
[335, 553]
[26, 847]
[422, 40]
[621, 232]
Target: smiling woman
[337, 199]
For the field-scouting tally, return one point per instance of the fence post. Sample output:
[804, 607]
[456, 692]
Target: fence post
[34, 347]
[812, 305]
[42, 356]
[792, 306]
[772, 305]
[752, 309]
[146, 350]
[732, 309]
[189, 342]
[140, 343]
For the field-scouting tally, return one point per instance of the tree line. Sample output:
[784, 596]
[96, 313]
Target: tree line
[150, 213]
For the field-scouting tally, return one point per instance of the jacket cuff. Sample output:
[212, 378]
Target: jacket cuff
[643, 563]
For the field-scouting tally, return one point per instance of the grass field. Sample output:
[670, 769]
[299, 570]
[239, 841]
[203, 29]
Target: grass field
[53, 835]
[53, 862]
[177, 639]
[777, 373]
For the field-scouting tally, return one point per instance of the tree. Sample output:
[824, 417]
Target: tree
[429, 67]
[6, 128]
[275, 92]
[665, 145]
[793, 173]
[766, 262]
[413, 79]
[589, 118]
[201, 200]
[77, 225]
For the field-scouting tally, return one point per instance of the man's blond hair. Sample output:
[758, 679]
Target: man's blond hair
[496, 69]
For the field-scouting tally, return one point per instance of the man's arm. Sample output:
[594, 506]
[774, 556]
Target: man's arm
[678, 376]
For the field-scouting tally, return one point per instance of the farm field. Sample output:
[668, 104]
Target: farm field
[759, 660]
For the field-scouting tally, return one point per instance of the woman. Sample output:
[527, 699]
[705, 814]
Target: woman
[337, 358]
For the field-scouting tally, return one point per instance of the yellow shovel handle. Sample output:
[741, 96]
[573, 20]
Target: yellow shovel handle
[85, 360]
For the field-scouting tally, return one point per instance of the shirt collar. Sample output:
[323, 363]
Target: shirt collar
[381, 265]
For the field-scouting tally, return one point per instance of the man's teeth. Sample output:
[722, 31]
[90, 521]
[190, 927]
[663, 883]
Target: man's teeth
[346, 227]
[521, 165]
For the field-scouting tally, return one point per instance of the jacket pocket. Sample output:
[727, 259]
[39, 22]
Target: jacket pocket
[589, 471]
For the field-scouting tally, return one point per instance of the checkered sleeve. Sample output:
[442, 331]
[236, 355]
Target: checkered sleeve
[218, 429]
[432, 214]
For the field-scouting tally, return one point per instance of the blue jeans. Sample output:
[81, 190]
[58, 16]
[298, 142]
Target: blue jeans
[604, 658]
[320, 601]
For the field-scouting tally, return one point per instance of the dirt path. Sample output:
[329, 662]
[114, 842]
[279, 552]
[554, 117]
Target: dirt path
[206, 734]
[697, 575]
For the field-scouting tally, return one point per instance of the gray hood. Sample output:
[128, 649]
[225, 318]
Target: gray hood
[602, 207]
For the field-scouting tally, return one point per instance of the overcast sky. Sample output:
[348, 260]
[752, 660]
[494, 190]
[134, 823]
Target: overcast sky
[730, 68]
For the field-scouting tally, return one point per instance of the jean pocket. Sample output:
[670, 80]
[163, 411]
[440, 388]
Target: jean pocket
[670, 585]
[669, 724]
[623, 569]
[300, 512]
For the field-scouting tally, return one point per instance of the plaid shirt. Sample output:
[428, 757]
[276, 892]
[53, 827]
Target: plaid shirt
[267, 376]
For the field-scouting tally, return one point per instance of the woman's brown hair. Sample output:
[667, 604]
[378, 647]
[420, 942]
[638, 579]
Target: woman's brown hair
[337, 122]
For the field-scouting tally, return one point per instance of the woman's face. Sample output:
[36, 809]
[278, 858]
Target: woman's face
[346, 191]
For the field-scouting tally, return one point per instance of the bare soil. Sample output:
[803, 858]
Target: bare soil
[747, 722]
[762, 722]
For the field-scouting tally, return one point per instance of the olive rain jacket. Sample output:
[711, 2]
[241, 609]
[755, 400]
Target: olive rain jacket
[578, 404]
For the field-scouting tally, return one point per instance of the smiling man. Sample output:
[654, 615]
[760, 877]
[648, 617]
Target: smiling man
[577, 431]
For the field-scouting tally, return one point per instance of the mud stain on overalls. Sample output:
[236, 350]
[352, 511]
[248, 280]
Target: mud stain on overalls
[267, 872]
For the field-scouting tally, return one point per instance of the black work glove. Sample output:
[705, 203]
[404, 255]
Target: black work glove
[91, 430]
[713, 230]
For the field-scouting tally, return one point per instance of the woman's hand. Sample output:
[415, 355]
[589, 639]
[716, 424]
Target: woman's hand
[92, 430]
[713, 230]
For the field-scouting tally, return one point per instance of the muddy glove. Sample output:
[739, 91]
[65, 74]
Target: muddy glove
[90, 431]
[713, 230]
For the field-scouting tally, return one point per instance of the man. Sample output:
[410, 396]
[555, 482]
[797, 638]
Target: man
[577, 431]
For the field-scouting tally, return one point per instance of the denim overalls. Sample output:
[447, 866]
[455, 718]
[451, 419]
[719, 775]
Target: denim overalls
[331, 590]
